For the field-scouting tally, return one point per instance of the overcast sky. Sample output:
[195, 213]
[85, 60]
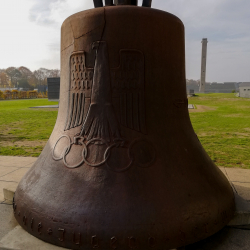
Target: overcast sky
[30, 34]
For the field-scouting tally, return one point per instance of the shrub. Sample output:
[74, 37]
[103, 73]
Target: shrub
[7, 94]
[22, 94]
[42, 95]
[14, 93]
[32, 94]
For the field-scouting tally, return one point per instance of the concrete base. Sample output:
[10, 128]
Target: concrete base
[18, 238]
[4, 248]
[8, 193]
[190, 106]
[226, 239]
[7, 219]
[242, 214]
[9, 189]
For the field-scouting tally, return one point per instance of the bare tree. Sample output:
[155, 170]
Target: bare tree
[14, 75]
[54, 73]
[4, 81]
[42, 74]
[28, 76]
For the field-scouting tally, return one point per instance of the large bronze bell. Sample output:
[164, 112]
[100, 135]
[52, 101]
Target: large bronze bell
[123, 168]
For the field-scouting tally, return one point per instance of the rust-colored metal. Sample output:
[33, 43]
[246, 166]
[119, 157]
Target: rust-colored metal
[123, 168]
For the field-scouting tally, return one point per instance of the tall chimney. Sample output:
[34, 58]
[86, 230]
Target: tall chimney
[203, 65]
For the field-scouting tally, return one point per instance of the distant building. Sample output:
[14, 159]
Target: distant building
[53, 88]
[193, 87]
[244, 89]
[191, 92]
[226, 87]
[236, 84]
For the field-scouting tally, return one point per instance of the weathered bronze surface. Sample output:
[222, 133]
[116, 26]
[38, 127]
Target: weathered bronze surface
[123, 168]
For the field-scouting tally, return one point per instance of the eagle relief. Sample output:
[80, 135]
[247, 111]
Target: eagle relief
[102, 101]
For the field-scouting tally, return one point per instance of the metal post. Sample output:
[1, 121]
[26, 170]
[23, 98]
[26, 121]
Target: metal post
[98, 3]
[122, 2]
[147, 3]
[109, 3]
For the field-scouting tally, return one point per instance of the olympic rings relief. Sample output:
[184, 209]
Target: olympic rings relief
[151, 154]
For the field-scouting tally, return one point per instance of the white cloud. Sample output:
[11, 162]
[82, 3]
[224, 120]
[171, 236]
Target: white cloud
[23, 42]
[54, 12]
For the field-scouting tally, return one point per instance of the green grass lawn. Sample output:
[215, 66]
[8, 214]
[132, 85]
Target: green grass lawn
[221, 121]
[24, 130]
[224, 129]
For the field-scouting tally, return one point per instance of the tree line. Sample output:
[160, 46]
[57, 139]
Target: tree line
[23, 77]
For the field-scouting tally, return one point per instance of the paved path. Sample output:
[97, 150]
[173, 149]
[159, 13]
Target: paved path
[240, 180]
[12, 169]
[47, 106]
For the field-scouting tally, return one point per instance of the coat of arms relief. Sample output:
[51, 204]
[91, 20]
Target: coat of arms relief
[102, 102]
